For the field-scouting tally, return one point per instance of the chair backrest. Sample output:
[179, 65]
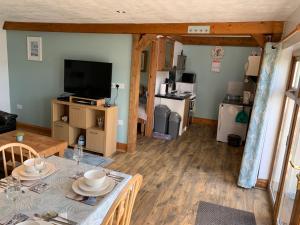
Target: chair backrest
[16, 149]
[121, 211]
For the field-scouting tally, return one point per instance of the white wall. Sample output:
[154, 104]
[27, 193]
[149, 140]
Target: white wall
[4, 80]
[292, 22]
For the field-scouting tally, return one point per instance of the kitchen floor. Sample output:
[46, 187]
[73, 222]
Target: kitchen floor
[180, 173]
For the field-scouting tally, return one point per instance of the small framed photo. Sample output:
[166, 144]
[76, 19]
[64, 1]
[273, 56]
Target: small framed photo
[34, 48]
[144, 61]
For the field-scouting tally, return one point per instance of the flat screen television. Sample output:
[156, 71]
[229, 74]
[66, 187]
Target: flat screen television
[88, 79]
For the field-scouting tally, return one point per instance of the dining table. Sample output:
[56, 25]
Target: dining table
[54, 198]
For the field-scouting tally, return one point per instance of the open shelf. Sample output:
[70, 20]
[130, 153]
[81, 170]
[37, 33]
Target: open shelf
[58, 111]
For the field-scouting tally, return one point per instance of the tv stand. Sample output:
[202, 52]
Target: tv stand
[83, 120]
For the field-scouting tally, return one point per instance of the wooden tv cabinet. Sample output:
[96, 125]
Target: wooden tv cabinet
[82, 119]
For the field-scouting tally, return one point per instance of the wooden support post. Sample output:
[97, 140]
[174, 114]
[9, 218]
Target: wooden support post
[134, 93]
[260, 39]
[151, 87]
[139, 42]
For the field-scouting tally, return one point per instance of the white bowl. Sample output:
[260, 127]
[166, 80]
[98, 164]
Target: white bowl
[94, 178]
[29, 166]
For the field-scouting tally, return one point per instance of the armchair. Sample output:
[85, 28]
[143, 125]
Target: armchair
[7, 122]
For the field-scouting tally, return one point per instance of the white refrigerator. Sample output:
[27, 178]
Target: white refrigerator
[227, 124]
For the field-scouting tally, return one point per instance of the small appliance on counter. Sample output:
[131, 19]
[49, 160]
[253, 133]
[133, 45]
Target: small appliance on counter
[188, 78]
[246, 97]
[163, 89]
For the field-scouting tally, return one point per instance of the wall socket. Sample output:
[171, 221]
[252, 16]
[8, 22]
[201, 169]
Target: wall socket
[198, 29]
[121, 85]
[120, 122]
[19, 106]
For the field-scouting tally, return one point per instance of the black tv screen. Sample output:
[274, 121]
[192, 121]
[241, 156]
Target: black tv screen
[88, 79]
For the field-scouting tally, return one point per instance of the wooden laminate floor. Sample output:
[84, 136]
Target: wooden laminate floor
[180, 173]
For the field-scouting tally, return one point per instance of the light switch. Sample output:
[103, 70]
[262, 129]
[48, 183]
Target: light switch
[19, 106]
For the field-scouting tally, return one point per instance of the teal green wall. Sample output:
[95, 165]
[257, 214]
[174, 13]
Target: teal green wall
[33, 84]
[211, 87]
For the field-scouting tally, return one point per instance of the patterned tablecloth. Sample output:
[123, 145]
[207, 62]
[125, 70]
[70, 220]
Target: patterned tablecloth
[54, 198]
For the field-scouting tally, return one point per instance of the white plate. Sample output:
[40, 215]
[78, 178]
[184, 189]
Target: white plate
[16, 173]
[110, 186]
[31, 222]
[83, 186]
[23, 173]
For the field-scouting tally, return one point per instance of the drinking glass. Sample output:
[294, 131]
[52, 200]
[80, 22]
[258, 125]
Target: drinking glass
[39, 165]
[78, 153]
[13, 191]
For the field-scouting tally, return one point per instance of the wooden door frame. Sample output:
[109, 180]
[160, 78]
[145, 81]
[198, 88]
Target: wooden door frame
[295, 217]
[139, 43]
[289, 143]
[286, 164]
[151, 87]
[288, 84]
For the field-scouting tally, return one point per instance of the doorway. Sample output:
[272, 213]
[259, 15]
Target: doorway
[143, 90]
[284, 179]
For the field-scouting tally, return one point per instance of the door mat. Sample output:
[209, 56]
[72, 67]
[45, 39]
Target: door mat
[212, 214]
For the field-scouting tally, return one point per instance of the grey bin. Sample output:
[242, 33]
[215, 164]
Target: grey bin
[161, 119]
[174, 124]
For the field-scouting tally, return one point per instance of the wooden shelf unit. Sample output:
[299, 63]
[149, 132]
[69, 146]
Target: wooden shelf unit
[82, 119]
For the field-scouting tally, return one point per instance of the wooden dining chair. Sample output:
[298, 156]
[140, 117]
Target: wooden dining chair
[121, 210]
[13, 151]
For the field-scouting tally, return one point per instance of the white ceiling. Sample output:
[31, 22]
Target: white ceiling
[146, 11]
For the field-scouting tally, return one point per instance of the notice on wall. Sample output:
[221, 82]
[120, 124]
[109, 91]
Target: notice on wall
[216, 66]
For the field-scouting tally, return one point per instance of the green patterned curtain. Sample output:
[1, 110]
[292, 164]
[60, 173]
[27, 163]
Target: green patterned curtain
[253, 148]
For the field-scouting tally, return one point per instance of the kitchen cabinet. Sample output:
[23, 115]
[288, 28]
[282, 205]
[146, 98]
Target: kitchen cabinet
[252, 66]
[166, 54]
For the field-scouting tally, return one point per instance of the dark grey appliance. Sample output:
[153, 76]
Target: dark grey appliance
[161, 119]
[174, 124]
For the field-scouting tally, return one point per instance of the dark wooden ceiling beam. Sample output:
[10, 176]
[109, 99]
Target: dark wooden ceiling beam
[219, 41]
[235, 28]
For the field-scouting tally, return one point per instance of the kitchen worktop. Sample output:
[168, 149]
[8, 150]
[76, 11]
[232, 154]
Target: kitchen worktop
[174, 96]
[236, 102]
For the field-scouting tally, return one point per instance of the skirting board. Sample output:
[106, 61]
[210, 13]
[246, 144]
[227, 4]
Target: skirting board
[34, 128]
[197, 120]
[262, 183]
[122, 147]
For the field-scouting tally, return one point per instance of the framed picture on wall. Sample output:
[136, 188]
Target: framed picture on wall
[34, 48]
[144, 61]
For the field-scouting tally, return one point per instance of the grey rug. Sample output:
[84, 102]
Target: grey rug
[212, 214]
[89, 158]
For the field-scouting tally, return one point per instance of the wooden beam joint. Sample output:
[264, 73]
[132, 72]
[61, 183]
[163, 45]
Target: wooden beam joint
[145, 40]
[260, 39]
